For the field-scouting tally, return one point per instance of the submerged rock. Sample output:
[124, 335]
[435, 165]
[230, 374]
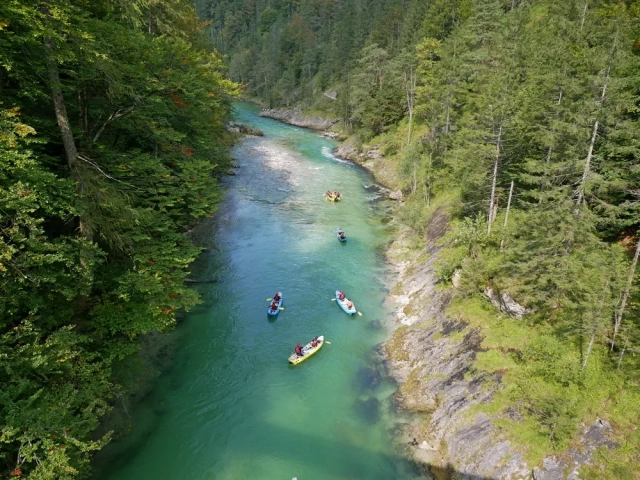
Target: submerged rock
[368, 378]
[374, 325]
[368, 410]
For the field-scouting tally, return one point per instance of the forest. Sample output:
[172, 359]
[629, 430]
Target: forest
[112, 142]
[520, 120]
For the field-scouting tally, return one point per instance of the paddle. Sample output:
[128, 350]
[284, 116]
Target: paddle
[360, 313]
[269, 299]
[333, 299]
[281, 308]
[327, 341]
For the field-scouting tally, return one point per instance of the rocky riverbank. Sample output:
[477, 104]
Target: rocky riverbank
[296, 117]
[369, 156]
[431, 356]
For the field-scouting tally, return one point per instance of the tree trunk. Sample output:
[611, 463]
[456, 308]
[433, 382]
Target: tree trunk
[584, 14]
[63, 124]
[493, 182]
[550, 150]
[410, 87]
[428, 185]
[588, 352]
[625, 295]
[506, 215]
[594, 326]
[587, 166]
[59, 105]
[587, 163]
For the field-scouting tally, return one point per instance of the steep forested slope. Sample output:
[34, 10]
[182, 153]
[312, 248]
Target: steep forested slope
[521, 120]
[111, 138]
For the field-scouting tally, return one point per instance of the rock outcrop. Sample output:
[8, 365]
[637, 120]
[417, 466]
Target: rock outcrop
[296, 117]
[371, 158]
[505, 303]
[431, 357]
[565, 467]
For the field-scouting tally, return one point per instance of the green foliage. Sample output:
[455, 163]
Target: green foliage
[93, 252]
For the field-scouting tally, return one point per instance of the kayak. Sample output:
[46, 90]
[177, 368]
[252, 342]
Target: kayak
[332, 198]
[307, 351]
[273, 313]
[342, 239]
[343, 304]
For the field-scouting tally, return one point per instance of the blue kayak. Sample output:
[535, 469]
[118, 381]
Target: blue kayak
[270, 311]
[342, 238]
[346, 304]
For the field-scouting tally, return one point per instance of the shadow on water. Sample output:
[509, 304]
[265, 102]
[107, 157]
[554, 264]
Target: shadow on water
[367, 378]
[368, 410]
[327, 457]
[335, 457]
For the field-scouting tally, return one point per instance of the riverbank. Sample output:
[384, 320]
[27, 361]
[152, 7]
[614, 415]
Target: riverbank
[433, 355]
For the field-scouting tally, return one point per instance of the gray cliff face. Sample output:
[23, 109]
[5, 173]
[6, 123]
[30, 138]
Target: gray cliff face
[296, 117]
[431, 357]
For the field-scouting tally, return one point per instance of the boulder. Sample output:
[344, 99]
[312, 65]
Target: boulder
[505, 303]
[397, 195]
[456, 278]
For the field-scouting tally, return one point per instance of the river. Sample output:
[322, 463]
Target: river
[231, 407]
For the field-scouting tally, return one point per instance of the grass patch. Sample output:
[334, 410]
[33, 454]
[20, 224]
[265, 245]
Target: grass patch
[499, 331]
[494, 361]
[544, 384]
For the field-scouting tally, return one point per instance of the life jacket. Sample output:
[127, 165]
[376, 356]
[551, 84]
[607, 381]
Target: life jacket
[298, 350]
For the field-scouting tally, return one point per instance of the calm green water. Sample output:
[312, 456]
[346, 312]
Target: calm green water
[231, 407]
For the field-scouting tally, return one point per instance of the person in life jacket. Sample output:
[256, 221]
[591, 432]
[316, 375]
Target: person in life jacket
[276, 298]
[314, 342]
[341, 296]
[274, 306]
[299, 350]
[350, 305]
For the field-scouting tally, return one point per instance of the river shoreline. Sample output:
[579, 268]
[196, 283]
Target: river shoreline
[431, 356]
[426, 355]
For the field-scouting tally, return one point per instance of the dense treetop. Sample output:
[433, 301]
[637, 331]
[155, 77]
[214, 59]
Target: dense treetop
[111, 142]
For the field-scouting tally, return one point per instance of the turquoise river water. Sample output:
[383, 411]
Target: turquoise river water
[231, 407]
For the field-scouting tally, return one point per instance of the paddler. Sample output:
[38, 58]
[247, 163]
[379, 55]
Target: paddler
[299, 350]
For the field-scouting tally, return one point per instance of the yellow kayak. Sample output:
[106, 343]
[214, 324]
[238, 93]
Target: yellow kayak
[307, 351]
